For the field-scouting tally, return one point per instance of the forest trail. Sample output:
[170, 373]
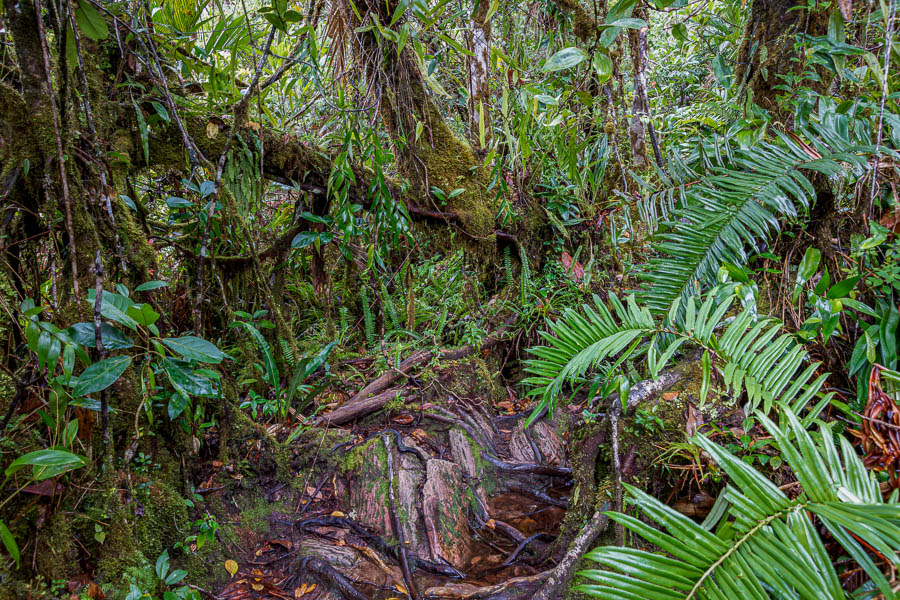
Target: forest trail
[476, 519]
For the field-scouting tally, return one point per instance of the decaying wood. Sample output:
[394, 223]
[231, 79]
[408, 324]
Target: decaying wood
[395, 521]
[467, 591]
[376, 542]
[353, 410]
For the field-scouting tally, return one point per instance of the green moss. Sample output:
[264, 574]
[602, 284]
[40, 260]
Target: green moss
[164, 513]
[58, 552]
[486, 471]
[255, 512]
[355, 459]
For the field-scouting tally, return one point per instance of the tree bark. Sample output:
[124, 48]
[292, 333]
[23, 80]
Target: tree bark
[428, 152]
[479, 37]
[767, 48]
[640, 108]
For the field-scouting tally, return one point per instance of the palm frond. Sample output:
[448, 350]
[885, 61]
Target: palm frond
[767, 544]
[733, 206]
[752, 355]
[659, 202]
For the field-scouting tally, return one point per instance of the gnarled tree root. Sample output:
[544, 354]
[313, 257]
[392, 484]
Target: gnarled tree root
[328, 575]
[562, 573]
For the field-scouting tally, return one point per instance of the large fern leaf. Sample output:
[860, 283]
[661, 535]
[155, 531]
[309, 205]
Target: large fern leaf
[732, 207]
[753, 355]
[768, 545]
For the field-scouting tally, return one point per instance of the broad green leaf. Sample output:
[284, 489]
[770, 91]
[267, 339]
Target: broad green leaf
[162, 565]
[629, 23]
[808, 265]
[807, 269]
[151, 285]
[101, 375]
[114, 306]
[185, 380]
[9, 543]
[47, 461]
[177, 403]
[722, 71]
[603, 66]
[842, 288]
[564, 59]
[176, 576]
[680, 32]
[112, 338]
[304, 239]
[194, 348]
[90, 22]
[143, 314]
[176, 202]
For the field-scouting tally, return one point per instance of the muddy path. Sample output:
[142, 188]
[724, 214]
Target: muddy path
[474, 500]
[434, 489]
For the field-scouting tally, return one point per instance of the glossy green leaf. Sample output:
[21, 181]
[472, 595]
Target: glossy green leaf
[143, 314]
[187, 381]
[112, 338]
[564, 59]
[101, 375]
[151, 285]
[114, 307]
[9, 542]
[90, 22]
[47, 463]
[195, 348]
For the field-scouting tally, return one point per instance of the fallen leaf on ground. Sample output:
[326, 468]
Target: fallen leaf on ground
[231, 566]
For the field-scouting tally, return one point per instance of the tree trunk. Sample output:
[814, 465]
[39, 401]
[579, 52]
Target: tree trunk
[429, 153]
[640, 109]
[767, 50]
[479, 37]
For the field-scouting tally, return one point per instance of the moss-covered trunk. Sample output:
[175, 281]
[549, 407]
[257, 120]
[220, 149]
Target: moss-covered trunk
[429, 152]
[767, 52]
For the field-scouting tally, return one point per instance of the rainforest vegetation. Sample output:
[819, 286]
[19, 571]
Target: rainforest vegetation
[435, 299]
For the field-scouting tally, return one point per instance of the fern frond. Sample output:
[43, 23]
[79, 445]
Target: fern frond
[768, 544]
[732, 207]
[658, 203]
[752, 355]
[286, 351]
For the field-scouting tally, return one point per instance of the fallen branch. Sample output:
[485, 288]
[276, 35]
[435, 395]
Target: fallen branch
[366, 397]
[562, 573]
[353, 410]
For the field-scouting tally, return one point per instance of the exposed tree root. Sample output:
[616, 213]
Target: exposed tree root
[378, 543]
[328, 575]
[392, 507]
[562, 573]
[524, 544]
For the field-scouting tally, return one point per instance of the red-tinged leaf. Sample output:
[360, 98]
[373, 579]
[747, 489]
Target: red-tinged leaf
[48, 487]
